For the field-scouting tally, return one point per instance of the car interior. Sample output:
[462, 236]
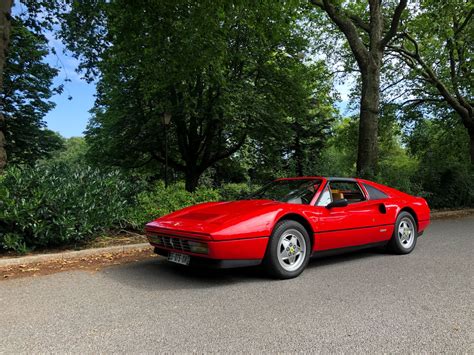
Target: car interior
[346, 190]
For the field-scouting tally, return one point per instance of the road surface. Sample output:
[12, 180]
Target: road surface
[360, 302]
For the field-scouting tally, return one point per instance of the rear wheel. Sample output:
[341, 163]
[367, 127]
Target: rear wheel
[288, 250]
[404, 235]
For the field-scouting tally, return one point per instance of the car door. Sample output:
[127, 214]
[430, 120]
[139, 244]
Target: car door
[356, 224]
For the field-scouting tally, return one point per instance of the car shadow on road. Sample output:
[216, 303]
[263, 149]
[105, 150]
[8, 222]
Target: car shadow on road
[159, 274]
[362, 255]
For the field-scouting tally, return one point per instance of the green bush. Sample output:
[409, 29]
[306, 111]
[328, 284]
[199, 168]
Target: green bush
[229, 192]
[445, 173]
[62, 204]
[447, 186]
[160, 201]
[57, 204]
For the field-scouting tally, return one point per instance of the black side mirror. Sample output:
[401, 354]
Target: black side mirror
[337, 203]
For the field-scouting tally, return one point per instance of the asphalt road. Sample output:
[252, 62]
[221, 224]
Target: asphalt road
[360, 302]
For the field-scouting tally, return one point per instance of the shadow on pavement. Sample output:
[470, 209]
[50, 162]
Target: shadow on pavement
[159, 274]
[346, 257]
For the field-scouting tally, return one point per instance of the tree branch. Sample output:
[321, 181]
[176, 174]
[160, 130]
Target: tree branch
[359, 22]
[392, 84]
[347, 27]
[463, 108]
[394, 24]
[171, 162]
[229, 151]
[464, 23]
[416, 102]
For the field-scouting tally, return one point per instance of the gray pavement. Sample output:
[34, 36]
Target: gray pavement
[361, 302]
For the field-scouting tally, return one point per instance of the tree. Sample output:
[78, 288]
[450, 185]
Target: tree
[438, 52]
[73, 152]
[223, 80]
[368, 37]
[5, 27]
[27, 88]
[39, 16]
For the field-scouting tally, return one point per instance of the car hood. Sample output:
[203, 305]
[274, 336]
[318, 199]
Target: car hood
[212, 217]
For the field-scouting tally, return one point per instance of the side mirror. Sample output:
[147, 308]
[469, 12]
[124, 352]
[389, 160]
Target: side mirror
[337, 203]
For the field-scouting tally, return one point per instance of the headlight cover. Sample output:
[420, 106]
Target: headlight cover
[197, 247]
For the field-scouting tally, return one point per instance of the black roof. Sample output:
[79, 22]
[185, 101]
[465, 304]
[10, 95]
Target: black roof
[335, 178]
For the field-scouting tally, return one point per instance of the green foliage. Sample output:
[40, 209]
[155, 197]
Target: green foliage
[159, 200]
[237, 78]
[444, 174]
[229, 192]
[56, 204]
[26, 97]
[445, 46]
[340, 154]
[73, 152]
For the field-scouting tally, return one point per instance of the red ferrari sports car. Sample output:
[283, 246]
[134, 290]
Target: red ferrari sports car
[289, 220]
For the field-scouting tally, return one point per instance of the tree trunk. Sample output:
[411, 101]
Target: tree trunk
[471, 144]
[368, 126]
[5, 27]
[191, 179]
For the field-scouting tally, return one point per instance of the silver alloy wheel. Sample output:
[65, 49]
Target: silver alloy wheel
[406, 233]
[291, 250]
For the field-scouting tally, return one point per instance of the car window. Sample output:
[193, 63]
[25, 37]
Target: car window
[325, 197]
[348, 190]
[374, 193]
[296, 191]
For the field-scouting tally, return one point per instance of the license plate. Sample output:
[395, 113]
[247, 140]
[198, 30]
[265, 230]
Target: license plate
[182, 259]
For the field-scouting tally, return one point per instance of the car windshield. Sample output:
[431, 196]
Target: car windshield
[298, 191]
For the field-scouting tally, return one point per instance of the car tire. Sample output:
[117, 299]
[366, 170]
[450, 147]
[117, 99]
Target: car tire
[404, 235]
[288, 250]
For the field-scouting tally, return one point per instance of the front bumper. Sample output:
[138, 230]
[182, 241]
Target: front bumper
[220, 253]
[200, 261]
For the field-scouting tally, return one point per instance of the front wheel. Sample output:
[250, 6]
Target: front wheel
[288, 250]
[404, 235]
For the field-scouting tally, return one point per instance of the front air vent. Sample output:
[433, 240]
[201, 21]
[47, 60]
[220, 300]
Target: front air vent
[170, 243]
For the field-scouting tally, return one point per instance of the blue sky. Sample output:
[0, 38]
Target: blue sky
[70, 116]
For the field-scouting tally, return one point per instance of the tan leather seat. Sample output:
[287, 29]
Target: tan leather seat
[336, 195]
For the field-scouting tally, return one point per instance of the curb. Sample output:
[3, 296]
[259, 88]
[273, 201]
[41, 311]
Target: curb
[451, 214]
[33, 259]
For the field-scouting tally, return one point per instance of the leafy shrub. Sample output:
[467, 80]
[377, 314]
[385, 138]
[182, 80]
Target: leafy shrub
[57, 204]
[448, 186]
[229, 192]
[161, 200]
[445, 173]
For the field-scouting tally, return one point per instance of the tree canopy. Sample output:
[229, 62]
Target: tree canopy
[237, 78]
[25, 100]
[249, 89]
[436, 47]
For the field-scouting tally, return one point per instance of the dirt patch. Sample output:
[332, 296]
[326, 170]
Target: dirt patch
[119, 238]
[88, 263]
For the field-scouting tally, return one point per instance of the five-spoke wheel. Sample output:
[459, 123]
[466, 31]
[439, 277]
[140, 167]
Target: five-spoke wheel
[288, 250]
[404, 236]
[292, 249]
